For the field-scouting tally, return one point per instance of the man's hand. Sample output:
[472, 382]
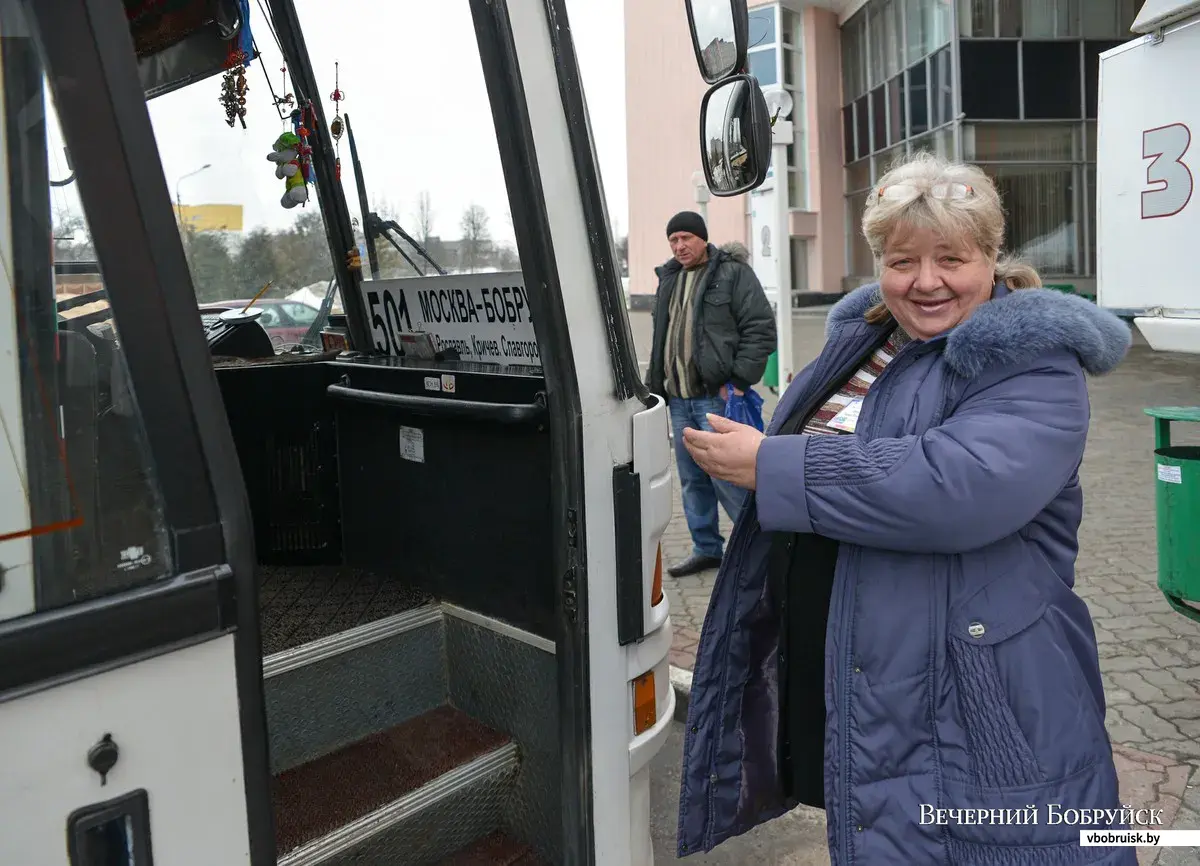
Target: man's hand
[725, 392]
[729, 453]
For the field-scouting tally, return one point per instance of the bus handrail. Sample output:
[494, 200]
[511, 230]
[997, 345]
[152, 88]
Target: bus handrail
[501, 413]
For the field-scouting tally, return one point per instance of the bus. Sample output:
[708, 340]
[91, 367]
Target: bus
[389, 591]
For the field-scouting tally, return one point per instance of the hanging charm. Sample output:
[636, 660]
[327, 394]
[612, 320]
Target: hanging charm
[233, 83]
[287, 99]
[336, 128]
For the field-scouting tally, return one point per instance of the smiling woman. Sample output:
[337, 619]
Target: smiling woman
[916, 501]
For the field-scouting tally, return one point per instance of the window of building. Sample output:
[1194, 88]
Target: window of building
[1056, 62]
[977, 18]
[791, 26]
[885, 159]
[879, 123]
[858, 175]
[918, 99]
[939, 142]
[1090, 176]
[762, 26]
[862, 127]
[1008, 18]
[854, 57]
[941, 87]
[797, 189]
[762, 66]
[1050, 19]
[990, 78]
[928, 27]
[1108, 19]
[896, 113]
[848, 149]
[1022, 142]
[1043, 227]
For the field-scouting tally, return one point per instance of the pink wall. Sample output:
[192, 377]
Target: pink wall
[823, 101]
[663, 89]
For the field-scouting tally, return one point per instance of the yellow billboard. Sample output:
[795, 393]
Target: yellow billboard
[211, 217]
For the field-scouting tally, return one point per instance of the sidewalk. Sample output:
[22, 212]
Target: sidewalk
[1150, 655]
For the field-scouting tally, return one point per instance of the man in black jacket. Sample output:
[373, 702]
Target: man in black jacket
[713, 326]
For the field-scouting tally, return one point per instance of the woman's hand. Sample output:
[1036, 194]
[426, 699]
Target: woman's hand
[729, 453]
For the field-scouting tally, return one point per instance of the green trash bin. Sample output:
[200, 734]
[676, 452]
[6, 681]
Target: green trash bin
[1177, 469]
[771, 374]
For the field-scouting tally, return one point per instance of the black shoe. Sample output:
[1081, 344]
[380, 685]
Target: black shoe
[694, 564]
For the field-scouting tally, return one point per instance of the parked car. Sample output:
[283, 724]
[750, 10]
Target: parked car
[286, 321]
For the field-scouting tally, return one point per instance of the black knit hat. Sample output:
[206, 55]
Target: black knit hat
[688, 221]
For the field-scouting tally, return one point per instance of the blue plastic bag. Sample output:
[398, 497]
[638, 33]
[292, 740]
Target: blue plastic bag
[744, 408]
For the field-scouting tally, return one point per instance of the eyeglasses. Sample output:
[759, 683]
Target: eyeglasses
[900, 191]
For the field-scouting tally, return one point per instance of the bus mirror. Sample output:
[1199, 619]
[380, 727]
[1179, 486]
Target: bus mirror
[735, 136]
[720, 33]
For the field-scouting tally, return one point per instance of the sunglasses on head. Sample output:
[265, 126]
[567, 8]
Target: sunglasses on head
[900, 191]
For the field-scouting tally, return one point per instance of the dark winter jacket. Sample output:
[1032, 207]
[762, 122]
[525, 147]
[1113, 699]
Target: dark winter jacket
[961, 668]
[735, 326]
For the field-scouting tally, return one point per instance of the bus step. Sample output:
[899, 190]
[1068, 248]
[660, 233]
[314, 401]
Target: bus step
[364, 680]
[427, 787]
[302, 604]
[495, 849]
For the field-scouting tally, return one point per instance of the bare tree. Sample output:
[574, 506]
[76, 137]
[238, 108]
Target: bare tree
[423, 217]
[476, 238]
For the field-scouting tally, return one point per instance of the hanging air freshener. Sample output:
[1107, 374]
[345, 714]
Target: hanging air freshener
[335, 127]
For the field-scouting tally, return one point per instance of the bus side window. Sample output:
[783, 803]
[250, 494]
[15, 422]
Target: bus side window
[84, 514]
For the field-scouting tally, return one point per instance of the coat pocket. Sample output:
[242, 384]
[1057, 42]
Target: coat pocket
[1026, 711]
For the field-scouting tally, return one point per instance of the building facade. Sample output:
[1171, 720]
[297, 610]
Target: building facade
[1008, 84]
[793, 47]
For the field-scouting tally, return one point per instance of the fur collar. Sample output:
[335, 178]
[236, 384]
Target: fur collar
[1014, 328]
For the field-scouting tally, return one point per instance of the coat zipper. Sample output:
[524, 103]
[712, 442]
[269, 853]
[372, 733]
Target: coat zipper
[740, 541]
[903, 358]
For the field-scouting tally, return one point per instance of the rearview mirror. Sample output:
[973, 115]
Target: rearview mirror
[735, 136]
[720, 33]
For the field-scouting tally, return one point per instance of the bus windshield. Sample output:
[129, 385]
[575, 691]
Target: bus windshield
[253, 231]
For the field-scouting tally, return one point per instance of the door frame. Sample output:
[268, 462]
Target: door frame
[89, 57]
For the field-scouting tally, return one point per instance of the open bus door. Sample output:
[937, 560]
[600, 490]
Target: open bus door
[131, 700]
[321, 606]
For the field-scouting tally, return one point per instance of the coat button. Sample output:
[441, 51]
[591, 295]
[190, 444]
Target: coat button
[860, 828]
[713, 778]
[976, 629]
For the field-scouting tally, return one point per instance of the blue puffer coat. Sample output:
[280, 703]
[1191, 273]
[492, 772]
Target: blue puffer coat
[961, 668]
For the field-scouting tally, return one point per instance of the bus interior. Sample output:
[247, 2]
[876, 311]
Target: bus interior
[402, 505]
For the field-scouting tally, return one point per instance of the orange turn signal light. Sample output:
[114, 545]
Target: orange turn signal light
[645, 713]
[656, 590]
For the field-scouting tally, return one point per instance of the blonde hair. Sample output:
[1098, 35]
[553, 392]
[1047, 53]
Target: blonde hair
[978, 218]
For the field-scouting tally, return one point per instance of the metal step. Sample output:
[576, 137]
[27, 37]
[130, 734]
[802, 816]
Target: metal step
[333, 691]
[414, 794]
[495, 849]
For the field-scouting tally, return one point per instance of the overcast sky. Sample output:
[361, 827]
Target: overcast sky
[416, 97]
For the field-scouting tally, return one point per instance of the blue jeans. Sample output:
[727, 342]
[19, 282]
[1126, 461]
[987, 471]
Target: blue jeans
[701, 491]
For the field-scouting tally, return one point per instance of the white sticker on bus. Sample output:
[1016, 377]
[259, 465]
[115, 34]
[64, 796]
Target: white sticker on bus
[485, 317]
[412, 444]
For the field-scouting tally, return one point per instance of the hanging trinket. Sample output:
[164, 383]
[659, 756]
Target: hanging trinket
[287, 100]
[305, 121]
[233, 83]
[336, 127]
[234, 88]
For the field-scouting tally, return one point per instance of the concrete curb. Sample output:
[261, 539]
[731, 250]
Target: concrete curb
[681, 681]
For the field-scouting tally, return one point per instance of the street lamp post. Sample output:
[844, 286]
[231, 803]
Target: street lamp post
[178, 199]
[779, 103]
